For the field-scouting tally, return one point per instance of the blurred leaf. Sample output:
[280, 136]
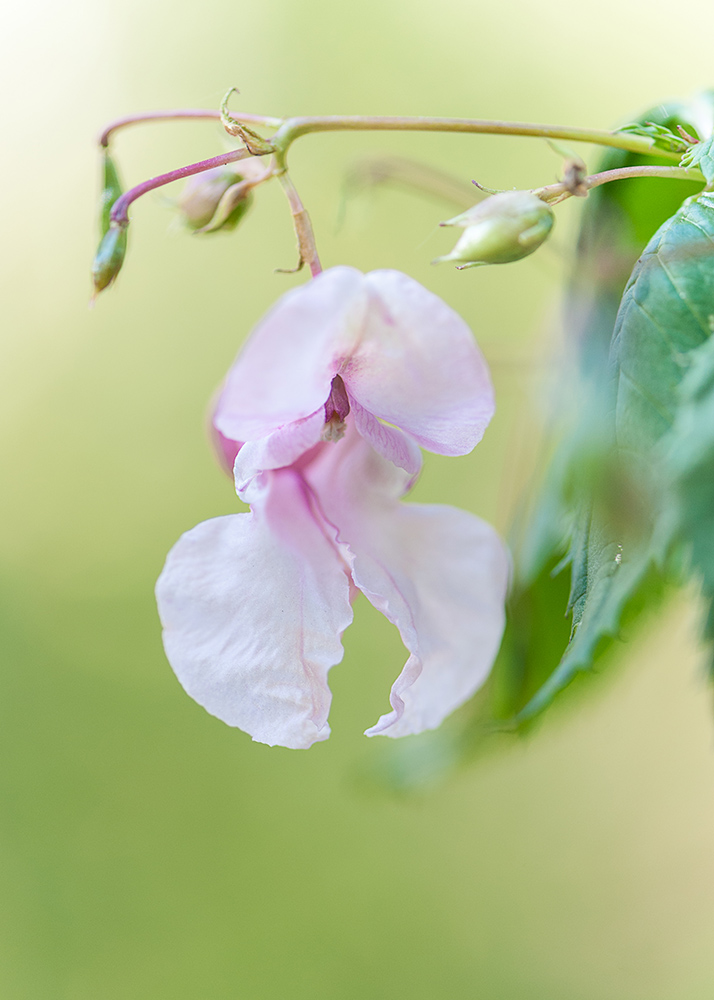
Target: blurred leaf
[524, 663]
[618, 220]
[609, 581]
[595, 504]
[687, 522]
[666, 311]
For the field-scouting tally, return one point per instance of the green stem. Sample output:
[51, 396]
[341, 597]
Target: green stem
[293, 128]
[557, 192]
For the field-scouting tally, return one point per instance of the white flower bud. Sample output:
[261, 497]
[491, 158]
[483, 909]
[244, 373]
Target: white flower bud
[502, 228]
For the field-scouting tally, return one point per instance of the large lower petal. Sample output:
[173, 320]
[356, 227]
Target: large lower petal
[253, 608]
[418, 367]
[285, 370]
[438, 573]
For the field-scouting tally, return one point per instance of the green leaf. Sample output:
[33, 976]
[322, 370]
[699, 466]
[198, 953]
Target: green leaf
[609, 582]
[666, 312]
[701, 155]
[686, 527]
[662, 138]
[601, 495]
[618, 220]
[530, 650]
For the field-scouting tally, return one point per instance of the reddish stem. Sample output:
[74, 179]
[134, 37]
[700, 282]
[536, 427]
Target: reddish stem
[171, 115]
[119, 215]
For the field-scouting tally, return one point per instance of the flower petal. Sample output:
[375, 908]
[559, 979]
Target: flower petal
[417, 366]
[388, 441]
[277, 450]
[438, 573]
[253, 608]
[285, 370]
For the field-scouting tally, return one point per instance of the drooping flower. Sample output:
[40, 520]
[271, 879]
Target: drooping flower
[324, 412]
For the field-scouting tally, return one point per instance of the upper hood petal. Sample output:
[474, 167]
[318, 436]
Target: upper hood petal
[417, 366]
[285, 370]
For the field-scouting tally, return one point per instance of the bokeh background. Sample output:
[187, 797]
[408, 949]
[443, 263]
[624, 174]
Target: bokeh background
[148, 851]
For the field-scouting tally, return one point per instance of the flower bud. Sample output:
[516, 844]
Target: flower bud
[219, 198]
[111, 190]
[502, 228]
[110, 257]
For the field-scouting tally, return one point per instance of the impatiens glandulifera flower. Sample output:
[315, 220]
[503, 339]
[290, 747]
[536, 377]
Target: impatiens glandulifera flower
[324, 412]
[500, 229]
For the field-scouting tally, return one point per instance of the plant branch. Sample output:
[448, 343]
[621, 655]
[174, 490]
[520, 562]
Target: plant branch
[176, 115]
[118, 215]
[554, 193]
[293, 128]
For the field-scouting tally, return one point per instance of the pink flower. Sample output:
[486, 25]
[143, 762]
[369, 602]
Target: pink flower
[325, 408]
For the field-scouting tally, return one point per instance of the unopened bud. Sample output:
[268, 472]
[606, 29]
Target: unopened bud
[111, 190]
[500, 229]
[219, 198]
[110, 257]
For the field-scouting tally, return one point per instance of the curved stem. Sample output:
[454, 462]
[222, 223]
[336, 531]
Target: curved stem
[558, 192]
[177, 114]
[293, 128]
[303, 227]
[118, 215]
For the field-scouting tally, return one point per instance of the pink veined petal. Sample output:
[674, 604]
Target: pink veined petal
[388, 441]
[253, 608]
[438, 573]
[277, 450]
[417, 367]
[285, 370]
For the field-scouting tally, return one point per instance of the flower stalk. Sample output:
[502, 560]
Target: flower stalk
[307, 248]
[119, 214]
[555, 193]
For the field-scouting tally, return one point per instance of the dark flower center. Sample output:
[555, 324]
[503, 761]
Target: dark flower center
[336, 409]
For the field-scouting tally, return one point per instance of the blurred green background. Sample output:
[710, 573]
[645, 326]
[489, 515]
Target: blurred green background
[147, 850]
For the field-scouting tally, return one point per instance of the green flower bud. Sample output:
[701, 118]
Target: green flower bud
[500, 229]
[110, 257]
[218, 199]
[110, 192]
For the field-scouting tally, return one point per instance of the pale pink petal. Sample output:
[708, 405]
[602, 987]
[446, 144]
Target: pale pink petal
[438, 573]
[226, 450]
[277, 450]
[285, 370]
[253, 608]
[388, 441]
[417, 367]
